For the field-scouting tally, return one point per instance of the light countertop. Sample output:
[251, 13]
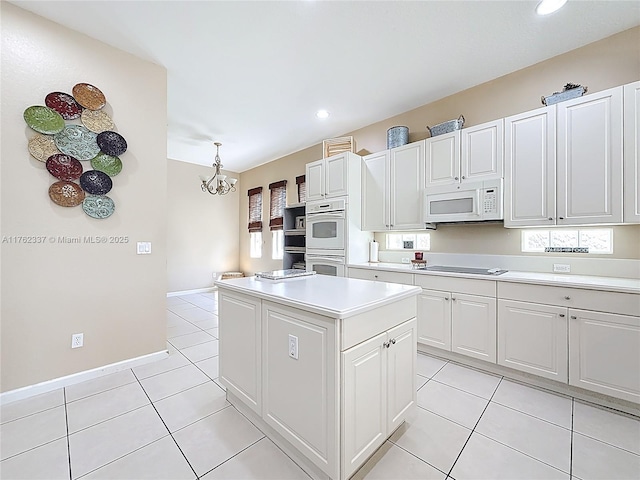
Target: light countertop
[336, 297]
[612, 284]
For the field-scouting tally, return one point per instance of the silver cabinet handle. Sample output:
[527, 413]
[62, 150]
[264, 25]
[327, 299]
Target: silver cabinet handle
[446, 298]
[463, 177]
[375, 276]
[567, 297]
[455, 178]
[453, 298]
[550, 218]
[573, 317]
[393, 341]
[561, 218]
[561, 315]
[386, 344]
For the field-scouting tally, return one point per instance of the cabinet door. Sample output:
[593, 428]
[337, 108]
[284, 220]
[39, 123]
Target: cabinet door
[336, 176]
[603, 353]
[482, 152]
[632, 153]
[434, 319]
[406, 186]
[401, 368]
[314, 179]
[364, 403]
[473, 326]
[442, 159]
[530, 168]
[375, 192]
[240, 348]
[589, 188]
[533, 338]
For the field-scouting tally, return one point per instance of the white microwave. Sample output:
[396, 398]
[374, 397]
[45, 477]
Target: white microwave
[464, 202]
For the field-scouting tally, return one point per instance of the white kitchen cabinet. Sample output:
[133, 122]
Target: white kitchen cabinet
[393, 189]
[442, 159]
[240, 347]
[434, 319]
[379, 389]
[589, 171]
[482, 151]
[604, 353]
[332, 176]
[381, 275]
[533, 338]
[631, 201]
[530, 168]
[473, 326]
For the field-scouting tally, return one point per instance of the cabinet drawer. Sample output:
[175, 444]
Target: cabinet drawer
[381, 276]
[486, 288]
[597, 300]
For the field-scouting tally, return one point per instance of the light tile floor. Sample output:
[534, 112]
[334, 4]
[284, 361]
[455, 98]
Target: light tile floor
[170, 420]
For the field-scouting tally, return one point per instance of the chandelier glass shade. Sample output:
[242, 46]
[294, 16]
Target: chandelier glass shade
[218, 184]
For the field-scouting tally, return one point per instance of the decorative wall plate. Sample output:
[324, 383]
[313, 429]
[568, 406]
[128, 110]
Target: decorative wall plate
[89, 96]
[64, 167]
[108, 164]
[77, 141]
[98, 206]
[95, 182]
[64, 104]
[43, 119]
[112, 143]
[66, 194]
[97, 121]
[41, 147]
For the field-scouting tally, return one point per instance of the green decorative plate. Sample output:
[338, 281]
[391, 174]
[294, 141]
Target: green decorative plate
[108, 164]
[44, 119]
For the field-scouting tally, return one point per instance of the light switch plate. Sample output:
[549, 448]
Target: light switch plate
[144, 248]
[293, 347]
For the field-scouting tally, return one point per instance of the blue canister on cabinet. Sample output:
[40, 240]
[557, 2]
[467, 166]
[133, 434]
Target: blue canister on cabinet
[397, 136]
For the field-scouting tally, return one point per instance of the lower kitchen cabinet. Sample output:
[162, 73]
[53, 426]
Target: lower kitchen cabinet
[533, 338]
[473, 326]
[434, 319]
[379, 389]
[604, 353]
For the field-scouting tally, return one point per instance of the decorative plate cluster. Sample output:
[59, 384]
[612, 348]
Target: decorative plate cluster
[63, 146]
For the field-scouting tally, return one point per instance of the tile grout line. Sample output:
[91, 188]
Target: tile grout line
[66, 423]
[235, 455]
[573, 406]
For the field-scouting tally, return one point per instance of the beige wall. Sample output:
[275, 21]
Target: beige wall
[52, 290]
[202, 229]
[604, 64]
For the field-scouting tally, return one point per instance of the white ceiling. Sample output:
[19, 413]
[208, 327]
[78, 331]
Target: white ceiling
[252, 74]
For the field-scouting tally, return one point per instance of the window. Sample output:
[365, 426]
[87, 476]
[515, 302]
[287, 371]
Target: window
[255, 244]
[255, 222]
[277, 244]
[408, 241]
[302, 188]
[576, 240]
[278, 202]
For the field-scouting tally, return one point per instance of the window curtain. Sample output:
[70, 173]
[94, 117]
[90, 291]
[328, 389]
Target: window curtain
[302, 188]
[278, 202]
[255, 209]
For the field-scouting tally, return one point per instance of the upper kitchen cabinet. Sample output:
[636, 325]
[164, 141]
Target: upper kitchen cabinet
[467, 155]
[332, 176]
[589, 162]
[632, 153]
[392, 188]
[530, 168]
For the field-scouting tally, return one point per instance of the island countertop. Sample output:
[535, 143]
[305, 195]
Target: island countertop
[336, 297]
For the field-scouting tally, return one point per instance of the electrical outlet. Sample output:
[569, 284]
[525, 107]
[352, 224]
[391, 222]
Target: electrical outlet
[215, 275]
[561, 268]
[406, 260]
[293, 347]
[77, 340]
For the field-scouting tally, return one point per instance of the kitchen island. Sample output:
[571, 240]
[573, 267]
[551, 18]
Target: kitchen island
[325, 366]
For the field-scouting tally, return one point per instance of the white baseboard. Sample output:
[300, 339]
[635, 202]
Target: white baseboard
[54, 384]
[189, 292]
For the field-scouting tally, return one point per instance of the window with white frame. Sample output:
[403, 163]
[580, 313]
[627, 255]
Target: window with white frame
[255, 244]
[596, 240]
[408, 241]
[277, 244]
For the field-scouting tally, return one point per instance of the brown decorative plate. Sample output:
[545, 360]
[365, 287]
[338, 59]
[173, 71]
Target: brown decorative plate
[89, 96]
[66, 194]
[42, 147]
[64, 167]
[64, 104]
[97, 121]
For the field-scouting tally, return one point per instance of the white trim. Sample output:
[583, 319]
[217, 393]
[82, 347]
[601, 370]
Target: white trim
[189, 292]
[54, 384]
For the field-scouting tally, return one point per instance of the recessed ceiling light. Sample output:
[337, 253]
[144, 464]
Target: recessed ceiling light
[322, 114]
[545, 7]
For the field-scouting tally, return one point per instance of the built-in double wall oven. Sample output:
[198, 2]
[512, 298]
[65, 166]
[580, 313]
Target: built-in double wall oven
[326, 226]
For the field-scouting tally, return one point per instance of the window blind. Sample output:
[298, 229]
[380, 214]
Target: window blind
[255, 209]
[278, 202]
[302, 188]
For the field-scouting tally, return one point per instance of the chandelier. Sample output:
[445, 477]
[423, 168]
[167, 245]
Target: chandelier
[218, 184]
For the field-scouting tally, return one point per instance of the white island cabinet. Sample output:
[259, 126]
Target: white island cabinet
[325, 366]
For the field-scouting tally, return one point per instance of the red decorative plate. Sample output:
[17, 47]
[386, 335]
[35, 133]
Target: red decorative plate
[64, 104]
[64, 167]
